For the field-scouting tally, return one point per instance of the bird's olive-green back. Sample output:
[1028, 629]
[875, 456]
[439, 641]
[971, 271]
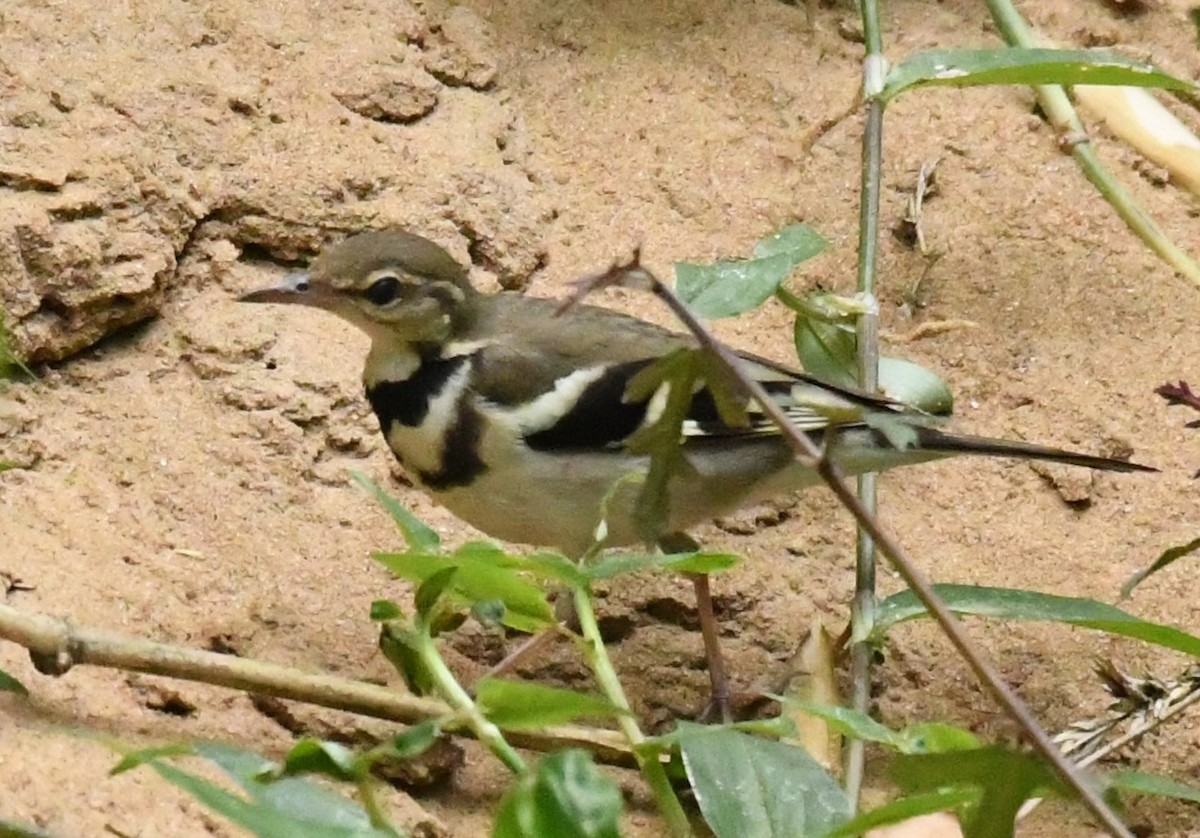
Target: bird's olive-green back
[535, 347]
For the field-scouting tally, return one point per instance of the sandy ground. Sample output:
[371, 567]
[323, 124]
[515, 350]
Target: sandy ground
[186, 479]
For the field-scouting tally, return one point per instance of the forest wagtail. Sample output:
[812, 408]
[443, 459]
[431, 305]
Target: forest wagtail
[516, 419]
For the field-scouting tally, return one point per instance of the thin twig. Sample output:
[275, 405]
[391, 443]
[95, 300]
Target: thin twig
[911, 228]
[55, 646]
[1083, 735]
[1133, 735]
[1148, 702]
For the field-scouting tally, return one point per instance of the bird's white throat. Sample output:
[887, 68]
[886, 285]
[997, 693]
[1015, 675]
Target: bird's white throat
[390, 360]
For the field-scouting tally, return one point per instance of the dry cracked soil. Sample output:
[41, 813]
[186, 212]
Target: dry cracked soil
[182, 461]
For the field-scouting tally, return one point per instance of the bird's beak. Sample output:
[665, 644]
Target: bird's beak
[295, 289]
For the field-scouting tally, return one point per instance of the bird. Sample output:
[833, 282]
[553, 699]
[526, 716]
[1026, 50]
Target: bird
[516, 417]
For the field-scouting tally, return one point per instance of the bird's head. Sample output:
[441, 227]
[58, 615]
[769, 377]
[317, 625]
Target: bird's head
[392, 284]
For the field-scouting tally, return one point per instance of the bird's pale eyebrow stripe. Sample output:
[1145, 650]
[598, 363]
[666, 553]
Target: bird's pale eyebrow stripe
[398, 275]
[407, 401]
[599, 418]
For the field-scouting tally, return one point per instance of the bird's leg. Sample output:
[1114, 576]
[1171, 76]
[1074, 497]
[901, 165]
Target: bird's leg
[719, 702]
[718, 706]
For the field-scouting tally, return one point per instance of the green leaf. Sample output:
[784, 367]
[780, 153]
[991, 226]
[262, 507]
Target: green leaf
[1012, 604]
[554, 566]
[416, 740]
[852, 723]
[145, 755]
[432, 588]
[416, 534]
[313, 756]
[646, 381]
[1168, 557]
[916, 386]
[488, 612]
[726, 289]
[489, 553]
[1005, 777]
[749, 787]
[385, 609]
[919, 738]
[1138, 782]
[567, 798]
[729, 398]
[661, 439]
[313, 808]
[517, 705]
[446, 617]
[827, 350]
[277, 809]
[618, 564]
[401, 647]
[701, 562]
[800, 242]
[906, 808]
[1014, 65]
[483, 572]
[514, 815]
[9, 684]
[936, 738]
[827, 347]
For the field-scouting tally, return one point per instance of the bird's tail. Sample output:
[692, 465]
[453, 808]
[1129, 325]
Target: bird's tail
[931, 439]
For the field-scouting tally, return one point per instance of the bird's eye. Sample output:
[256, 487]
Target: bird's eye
[383, 290]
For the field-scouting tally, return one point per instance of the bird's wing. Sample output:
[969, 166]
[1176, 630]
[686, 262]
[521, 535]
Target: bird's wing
[810, 403]
[564, 392]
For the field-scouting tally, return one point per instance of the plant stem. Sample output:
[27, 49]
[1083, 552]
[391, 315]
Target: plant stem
[872, 34]
[465, 706]
[370, 802]
[601, 665]
[1062, 116]
[862, 610]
